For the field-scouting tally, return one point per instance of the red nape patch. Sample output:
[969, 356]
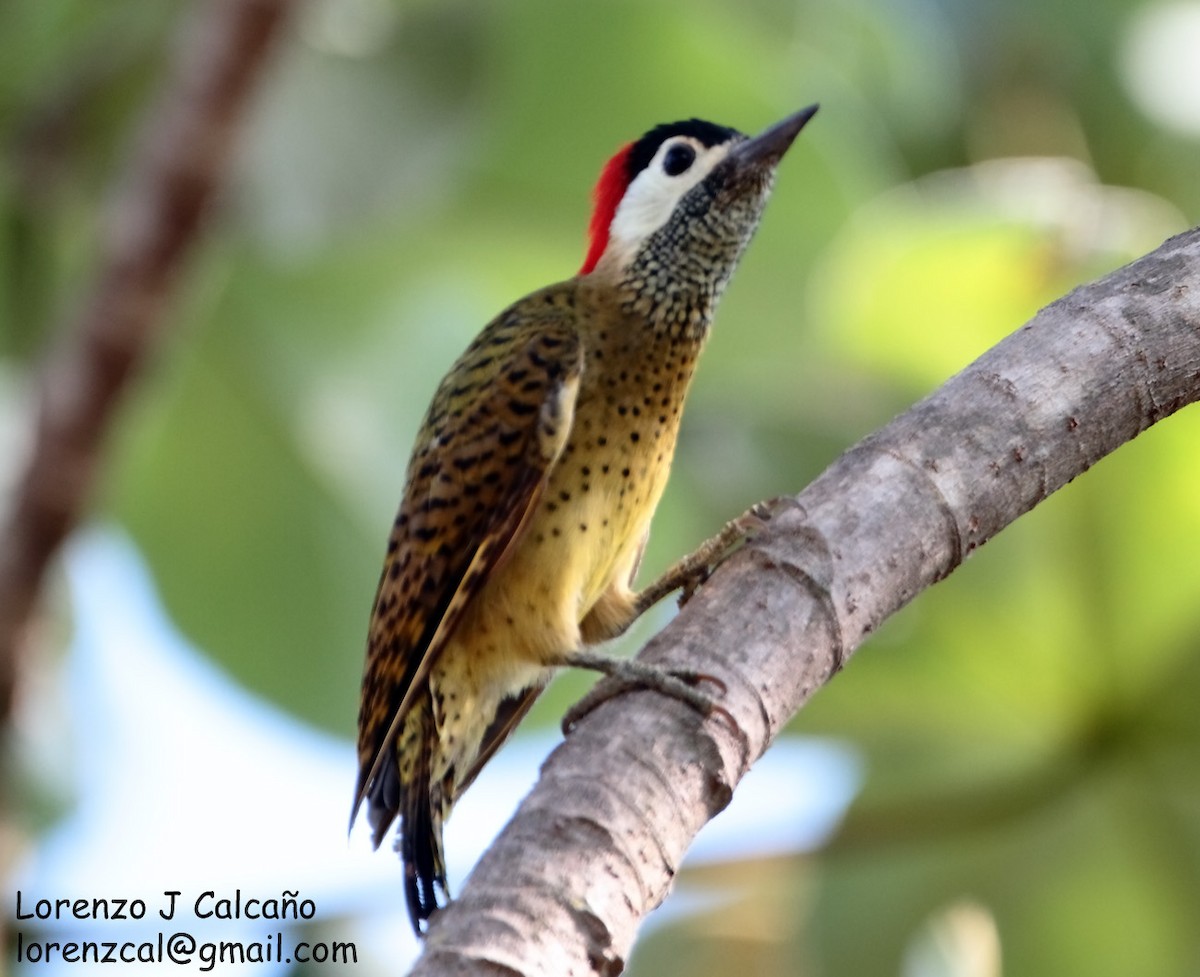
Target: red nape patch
[610, 188]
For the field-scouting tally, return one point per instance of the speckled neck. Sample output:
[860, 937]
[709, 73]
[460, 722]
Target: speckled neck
[675, 279]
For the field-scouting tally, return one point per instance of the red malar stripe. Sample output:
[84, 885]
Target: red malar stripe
[610, 188]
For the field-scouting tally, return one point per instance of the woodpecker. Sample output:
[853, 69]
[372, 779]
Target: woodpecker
[534, 477]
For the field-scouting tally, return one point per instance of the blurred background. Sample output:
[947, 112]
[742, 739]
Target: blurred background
[1005, 779]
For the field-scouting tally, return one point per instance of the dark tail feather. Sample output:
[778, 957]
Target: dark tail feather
[420, 842]
[383, 802]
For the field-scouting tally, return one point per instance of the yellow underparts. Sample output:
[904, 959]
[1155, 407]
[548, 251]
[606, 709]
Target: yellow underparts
[568, 582]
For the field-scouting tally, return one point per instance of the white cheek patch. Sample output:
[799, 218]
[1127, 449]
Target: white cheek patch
[652, 197]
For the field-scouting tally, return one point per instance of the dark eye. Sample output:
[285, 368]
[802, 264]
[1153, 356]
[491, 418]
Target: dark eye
[679, 157]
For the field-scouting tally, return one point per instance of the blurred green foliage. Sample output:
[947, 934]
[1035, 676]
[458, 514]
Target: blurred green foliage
[409, 168]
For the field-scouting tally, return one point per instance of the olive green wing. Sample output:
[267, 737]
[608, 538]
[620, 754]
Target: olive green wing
[495, 427]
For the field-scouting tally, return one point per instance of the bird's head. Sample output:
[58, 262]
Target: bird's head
[682, 202]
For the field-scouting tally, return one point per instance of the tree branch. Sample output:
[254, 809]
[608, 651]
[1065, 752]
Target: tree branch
[154, 216]
[596, 844]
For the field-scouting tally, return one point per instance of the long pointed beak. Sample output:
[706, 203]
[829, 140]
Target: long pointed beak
[768, 147]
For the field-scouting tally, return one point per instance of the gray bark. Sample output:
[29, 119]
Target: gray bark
[596, 844]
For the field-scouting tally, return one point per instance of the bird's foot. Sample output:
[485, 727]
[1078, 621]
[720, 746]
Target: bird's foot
[678, 683]
[693, 570]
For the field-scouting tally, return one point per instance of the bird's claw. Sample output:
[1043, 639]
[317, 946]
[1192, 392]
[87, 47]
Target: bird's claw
[693, 582]
[755, 519]
[678, 683]
[739, 530]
